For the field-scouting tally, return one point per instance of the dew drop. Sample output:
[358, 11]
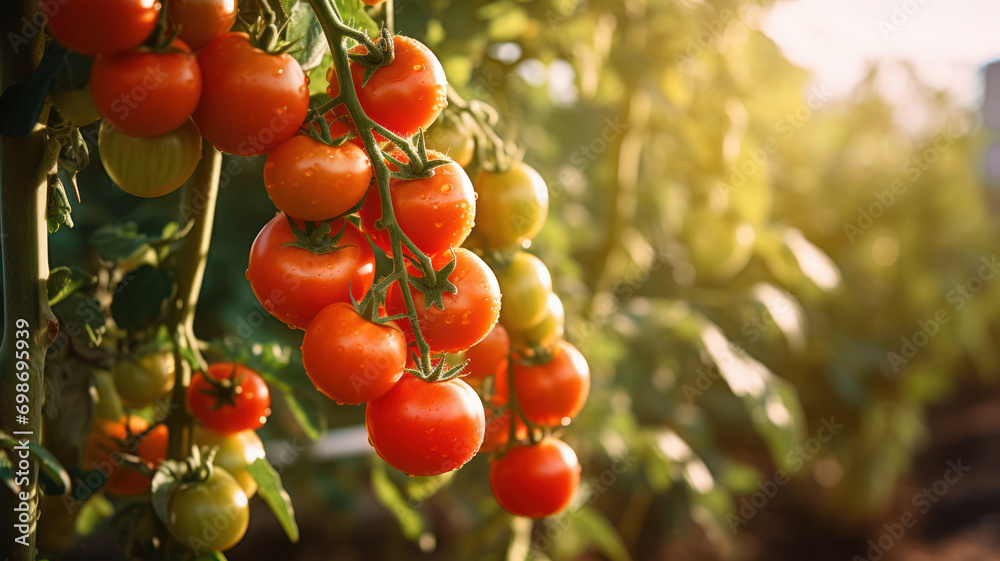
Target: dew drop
[418, 67]
[310, 173]
[449, 319]
[446, 188]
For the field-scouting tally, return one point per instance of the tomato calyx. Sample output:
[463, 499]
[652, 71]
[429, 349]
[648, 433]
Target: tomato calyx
[379, 53]
[436, 285]
[416, 168]
[316, 236]
[266, 35]
[224, 390]
[440, 372]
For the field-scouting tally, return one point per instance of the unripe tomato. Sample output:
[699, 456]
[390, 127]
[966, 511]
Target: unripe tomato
[210, 515]
[536, 480]
[426, 428]
[144, 379]
[101, 27]
[201, 21]
[76, 106]
[145, 93]
[153, 166]
[350, 359]
[512, 206]
[545, 333]
[108, 440]
[525, 285]
[236, 452]
[245, 408]
[551, 394]
[451, 139]
[485, 356]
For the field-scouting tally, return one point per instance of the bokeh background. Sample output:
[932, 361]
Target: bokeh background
[774, 231]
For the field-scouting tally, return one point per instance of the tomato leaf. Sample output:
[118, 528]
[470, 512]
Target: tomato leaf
[51, 474]
[410, 521]
[64, 281]
[140, 296]
[304, 28]
[302, 417]
[420, 488]
[274, 494]
[94, 512]
[58, 210]
[81, 317]
[353, 12]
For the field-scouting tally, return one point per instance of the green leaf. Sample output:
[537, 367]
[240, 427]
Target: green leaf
[52, 475]
[140, 296]
[301, 416]
[422, 488]
[21, 104]
[63, 281]
[592, 524]
[81, 317]
[57, 209]
[353, 12]
[305, 29]
[94, 512]
[120, 243]
[271, 490]
[410, 521]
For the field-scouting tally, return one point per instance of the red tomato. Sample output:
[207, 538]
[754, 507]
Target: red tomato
[101, 27]
[294, 284]
[536, 480]
[145, 93]
[405, 96]
[426, 428]
[436, 213]
[311, 180]
[108, 440]
[252, 101]
[485, 356]
[350, 359]
[246, 408]
[468, 315]
[201, 21]
[553, 393]
[372, 2]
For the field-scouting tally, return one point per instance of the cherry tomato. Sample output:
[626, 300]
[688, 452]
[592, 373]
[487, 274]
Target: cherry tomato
[551, 394]
[452, 139]
[153, 166]
[201, 21]
[76, 106]
[426, 428]
[350, 359]
[294, 284]
[311, 180]
[435, 212]
[144, 379]
[485, 356]
[525, 285]
[372, 2]
[144, 93]
[244, 407]
[468, 315]
[101, 27]
[536, 480]
[252, 101]
[512, 205]
[108, 440]
[545, 333]
[210, 515]
[405, 96]
[236, 451]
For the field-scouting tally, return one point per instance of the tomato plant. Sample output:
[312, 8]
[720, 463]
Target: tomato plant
[201, 21]
[235, 452]
[536, 480]
[109, 439]
[153, 166]
[525, 285]
[513, 205]
[552, 393]
[235, 400]
[209, 515]
[102, 27]
[144, 379]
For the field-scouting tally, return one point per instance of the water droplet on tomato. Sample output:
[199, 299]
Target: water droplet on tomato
[310, 173]
[418, 67]
[466, 318]
[438, 224]
[446, 188]
[449, 319]
[279, 72]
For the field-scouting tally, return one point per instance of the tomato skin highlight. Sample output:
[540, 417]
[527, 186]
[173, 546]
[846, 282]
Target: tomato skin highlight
[350, 359]
[102, 27]
[210, 515]
[550, 393]
[252, 402]
[468, 315]
[513, 206]
[104, 447]
[202, 21]
[311, 180]
[536, 480]
[294, 284]
[426, 428]
[153, 166]
[251, 101]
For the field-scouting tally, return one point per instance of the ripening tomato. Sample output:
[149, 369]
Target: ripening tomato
[426, 428]
[311, 180]
[209, 515]
[294, 284]
[405, 96]
[452, 139]
[536, 480]
[152, 166]
[236, 451]
[145, 93]
[545, 333]
[201, 21]
[244, 406]
[468, 315]
[485, 356]
[551, 394]
[101, 27]
[525, 284]
[252, 101]
[144, 379]
[435, 212]
[350, 359]
[109, 439]
[512, 206]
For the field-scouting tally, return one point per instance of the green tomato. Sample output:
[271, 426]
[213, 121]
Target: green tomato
[210, 515]
[452, 139]
[236, 452]
[545, 333]
[512, 206]
[525, 286]
[142, 380]
[76, 106]
[152, 166]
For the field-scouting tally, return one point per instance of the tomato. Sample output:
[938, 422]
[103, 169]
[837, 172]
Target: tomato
[101, 27]
[311, 180]
[350, 359]
[426, 428]
[108, 440]
[405, 96]
[251, 101]
[294, 284]
[201, 21]
[144, 379]
[468, 315]
[236, 451]
[485, 356]
[536, 480]
[210, 515]
[551, 394]
[525, 285]
[498, 428]
[545, 333]
[452, 139]
[435, 212]
[76, 106]
[153, 166]
[512, 205]
[372, 2]
[144, 93]
[245, 408]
